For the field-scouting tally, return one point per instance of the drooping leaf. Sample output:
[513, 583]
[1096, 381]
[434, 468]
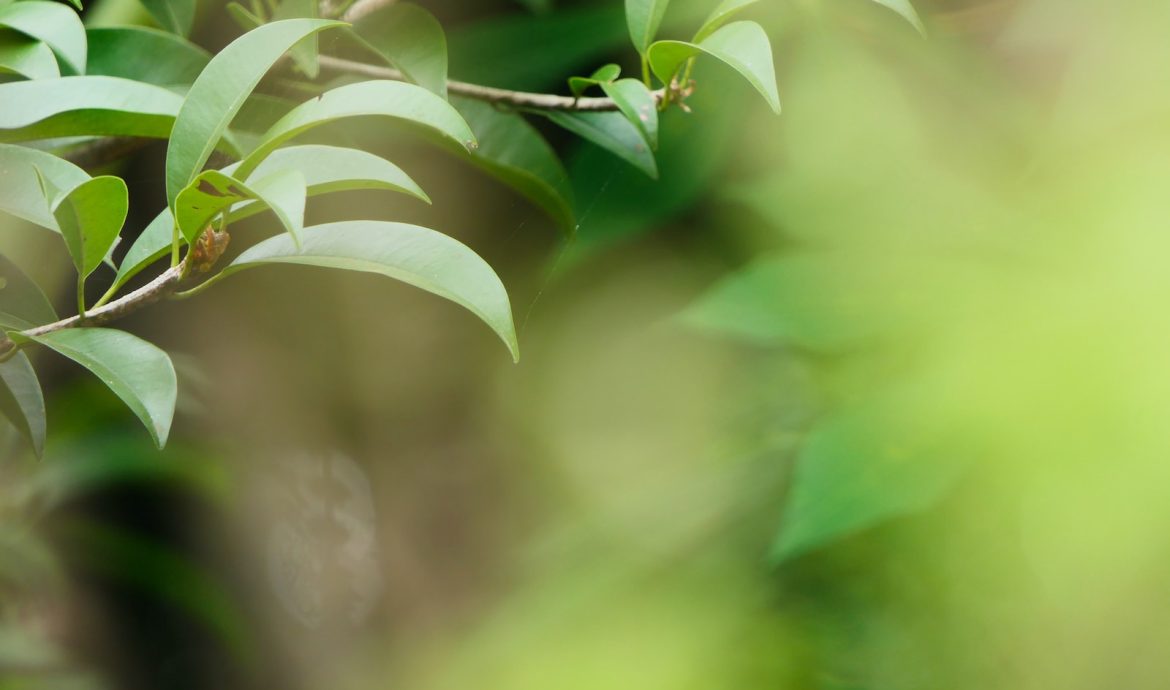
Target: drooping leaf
[52, 23]
[90, 216]
[119, 52]
[743, 46]
[325, 168]
[212, 193]
[419, 256]
[638, 105]
[603, 75]
[392, 99]
[176, 16]
[220, 91]
[22, 303]
[85, 106]
[136, 371]
[411, 39]
[513, 151]
[861, 467]
[613, 132]
[247, 19]
[906, 10]
[304, 53]
[20, 190]
[285, 192]
[21, 401]
[26, 57]
[720, 16]
[643, 18]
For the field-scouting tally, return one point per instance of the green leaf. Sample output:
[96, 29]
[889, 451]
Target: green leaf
[722, 14]
[90, 216]
[513, 151]
[213, 192]
[742, 45]
[20, 190]
[408, 253]
[85, 106]
[176, 16]
[26, 57]
[611, 131]
[22, 303]
[304, 53]
[392, 99]
[136, 371]
[638, 105]
[861, 467]
[247, 19]
[325, 169]
[643, 18]
[21, 400]
[54, 24]
[220, 91]
[603, 75]
[118, 52]
[906, 10]
[411, 39]
[285, 192]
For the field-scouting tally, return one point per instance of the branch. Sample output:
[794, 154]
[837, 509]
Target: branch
[516, 99]
[150, 293]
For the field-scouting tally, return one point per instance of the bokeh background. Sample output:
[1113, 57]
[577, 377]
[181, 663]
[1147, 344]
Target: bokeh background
[867, 396]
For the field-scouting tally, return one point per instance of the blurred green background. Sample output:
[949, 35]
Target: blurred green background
[869, 396]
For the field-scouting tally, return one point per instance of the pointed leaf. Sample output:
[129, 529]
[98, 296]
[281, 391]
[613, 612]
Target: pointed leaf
[638, 105]
[22, 303]
[643, 18]
[90, 216]
[52, 23]
[26, 57]
[284, 192]
[176, 16]
[722, 14]
[612, 132]
[20, 190]
[85, 106]
[304, 53]
[392, 99]
[136, 371]
[118, 52]
[409, 253]
[220, 91]
[411, 39]
[907, 12]
[513, 151]
[21, 400]
[742, 45]
[325, 168]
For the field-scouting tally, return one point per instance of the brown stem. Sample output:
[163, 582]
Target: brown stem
[516, 99]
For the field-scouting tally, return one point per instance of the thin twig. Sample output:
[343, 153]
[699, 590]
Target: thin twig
[516, 99]
[160, 287]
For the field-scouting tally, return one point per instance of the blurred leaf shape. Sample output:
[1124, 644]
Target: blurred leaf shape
[21, 401]
[136, 371]
[85, 106]
[26, 57]
[906, 10]
[176, 16]
[644, 17]
[720, 16]
[117, 52]
[55, 25]
[411, 39]
[513, 151]
[304, 52]
[611, 131]
[22, 303]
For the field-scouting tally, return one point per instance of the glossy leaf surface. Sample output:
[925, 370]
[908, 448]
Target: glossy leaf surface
[741, 45]
[411, 39]
[21, 401]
